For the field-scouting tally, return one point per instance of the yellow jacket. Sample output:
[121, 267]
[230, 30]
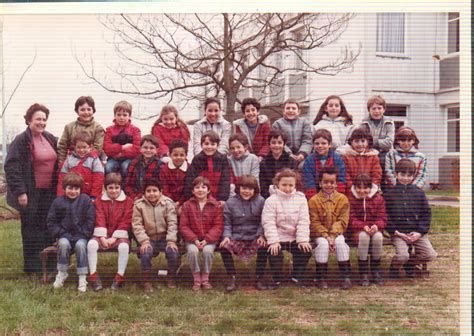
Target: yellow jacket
[329, 217]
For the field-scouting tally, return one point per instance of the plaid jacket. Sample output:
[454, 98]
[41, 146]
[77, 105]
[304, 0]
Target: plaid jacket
[138, 170]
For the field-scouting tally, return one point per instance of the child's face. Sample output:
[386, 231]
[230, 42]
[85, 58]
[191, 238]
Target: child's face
[362, 191]
[406, 144]
[277, 145]
[287, 184]
[237, 149]
[85, 112]
[291, 111]
[122, 117]
[82, 148]
[148, 150]
[376, 111]
[328, 183]
[404, 178]
[212, 112]
[247, 192]
[169, 120]
[178, 156]
[333, 108]
[251, 114]
[72, 192]
[359, 145]
[209, 148]
[113, 190]
[152, 194]
[321, 146]
[200, 191]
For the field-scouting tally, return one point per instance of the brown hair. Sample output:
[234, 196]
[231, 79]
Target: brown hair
[330, 170]
[249, 101]
[171, 109]
[83, 100]
[406, 133]
[240, 137]
[291, 101]
[148, 181]
[363, 180]
[376, 100]
[322, 111]
[178, 143]
[150, 138]
[322, 133]
[287, 172]
[405, 166]
[73, 179]
[32, 110]
[202, 180]
[211, 100]
[275, 134]
[361, 133]
[112, 178]
[124, 106]
[84, 137]
[248, 181]
[212, 136]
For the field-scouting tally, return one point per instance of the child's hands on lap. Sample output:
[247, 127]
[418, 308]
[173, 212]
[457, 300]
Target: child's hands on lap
[305, 247]
[367, 229]
[261, 241]
[332, 245]
[111, 241]
[414, 236]
[145, 247]
[274, 248]
[172, 246]
[373, 229]
[224, 242]
[103, 243]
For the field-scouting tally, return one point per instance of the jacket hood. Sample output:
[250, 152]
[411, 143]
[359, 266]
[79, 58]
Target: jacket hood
[281, 194]
[350, 151]
[373, 190]
[210, 200]
[220, 120]
[260, 119]
[385, 120]
[120, 198]
[337, 120]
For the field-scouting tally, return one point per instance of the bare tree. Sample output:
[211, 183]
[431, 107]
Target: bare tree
[194, 55]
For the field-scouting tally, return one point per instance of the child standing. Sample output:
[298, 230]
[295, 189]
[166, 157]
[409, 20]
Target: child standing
[254, 126]
[406, 146]
[409, 217]
[243, 232]
[146, 165]
[297, 129]
[285, 222]
[155, 225]
[276, 160]
[333, 116]
[201, 226]
[212, 121]
[212, 165]
[329, 212]
[323, 156]
[241, 161]
[169, 127]
[361, 158]
[122, 140]
[86, 162]
[113, 222]
[71, 221]
[85, 109]
[367, 221]
[173, 173]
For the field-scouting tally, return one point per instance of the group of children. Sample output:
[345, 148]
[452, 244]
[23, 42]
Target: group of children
[251, 202]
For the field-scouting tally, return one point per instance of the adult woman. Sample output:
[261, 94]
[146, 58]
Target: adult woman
[30, 170]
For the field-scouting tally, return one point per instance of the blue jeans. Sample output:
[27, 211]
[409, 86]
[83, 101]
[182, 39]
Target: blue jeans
[172, 257]
[64, 251]
[113, 165]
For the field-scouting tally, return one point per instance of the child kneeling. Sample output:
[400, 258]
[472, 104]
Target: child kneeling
[71, 220]
[113, 222]
[155, 225]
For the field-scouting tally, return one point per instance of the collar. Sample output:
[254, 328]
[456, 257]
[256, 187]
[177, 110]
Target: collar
[120, 198]
[80, 122]
[373, 190]
[352, 152]
[338, 119]
[333, 197]
[411, 150]
[183, 167]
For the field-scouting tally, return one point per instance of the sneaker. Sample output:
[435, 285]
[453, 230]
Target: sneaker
[82, 286]
[274, 285]
[60, 278]
[95, 282]
[298, 282]
[260, 285]
[117, 283]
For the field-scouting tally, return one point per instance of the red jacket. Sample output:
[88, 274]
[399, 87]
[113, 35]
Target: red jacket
[367, 162]
[137, 172]
[113, 217]
[207, 224]
[369, 211]
[260, 145]
[89, 167]
[172, 179]
[166, 135]
[114, 149]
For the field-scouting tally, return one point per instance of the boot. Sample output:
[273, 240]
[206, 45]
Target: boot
[321, 274]
[147, 285]
[394, 273]
[95, 282]
[197, 281]
[364, 274]
[170, 282]
[375, 269]
[231, 284]
[205, 281]
[118, 282]
[345, 271]
[409, 268]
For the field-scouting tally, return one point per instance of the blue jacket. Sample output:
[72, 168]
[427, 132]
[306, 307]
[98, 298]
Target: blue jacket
[72, 219]
[269, 167]
[407, 209]
[243, 219]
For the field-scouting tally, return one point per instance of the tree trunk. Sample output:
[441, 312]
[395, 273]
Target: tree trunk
[230, 100]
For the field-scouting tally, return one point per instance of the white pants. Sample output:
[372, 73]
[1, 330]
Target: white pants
[321, 252]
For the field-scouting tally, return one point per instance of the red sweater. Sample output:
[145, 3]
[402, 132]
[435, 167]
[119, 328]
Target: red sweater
[114, 149]
[172, 179]
[166, 135]
[113, 217]
[260, 145]
[367, 162]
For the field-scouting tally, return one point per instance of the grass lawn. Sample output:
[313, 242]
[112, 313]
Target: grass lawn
[400, 307]
[442, 192]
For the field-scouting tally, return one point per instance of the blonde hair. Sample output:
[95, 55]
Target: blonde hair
[171, 109]
[123, 105]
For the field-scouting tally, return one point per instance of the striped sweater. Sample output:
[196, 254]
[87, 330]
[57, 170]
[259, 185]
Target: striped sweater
[395, 154]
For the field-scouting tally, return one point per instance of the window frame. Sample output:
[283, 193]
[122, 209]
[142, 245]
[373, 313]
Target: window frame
[447, 107]
[448, 21]
[389, 54]
[403, 119]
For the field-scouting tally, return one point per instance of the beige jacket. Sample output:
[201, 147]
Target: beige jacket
[70, 130]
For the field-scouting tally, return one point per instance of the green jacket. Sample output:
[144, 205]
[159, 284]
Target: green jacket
[70, 130]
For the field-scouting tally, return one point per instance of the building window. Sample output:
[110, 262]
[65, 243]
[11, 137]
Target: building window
[453, 33]
[453, 123]
[398, 113]
[391, 33]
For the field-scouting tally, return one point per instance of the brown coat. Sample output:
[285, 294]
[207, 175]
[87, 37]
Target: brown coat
[359, 163]
[329, 217]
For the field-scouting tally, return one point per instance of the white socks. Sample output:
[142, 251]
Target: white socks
[60, 278]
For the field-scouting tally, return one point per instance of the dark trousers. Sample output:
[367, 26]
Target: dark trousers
[34, 233]
[300, 260]
[261, 262]
[172, 257]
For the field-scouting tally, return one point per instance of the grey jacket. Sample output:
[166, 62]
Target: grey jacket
[242, 219]
[222, 127]
[383, 134]
[248, 164]
[299, 133]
